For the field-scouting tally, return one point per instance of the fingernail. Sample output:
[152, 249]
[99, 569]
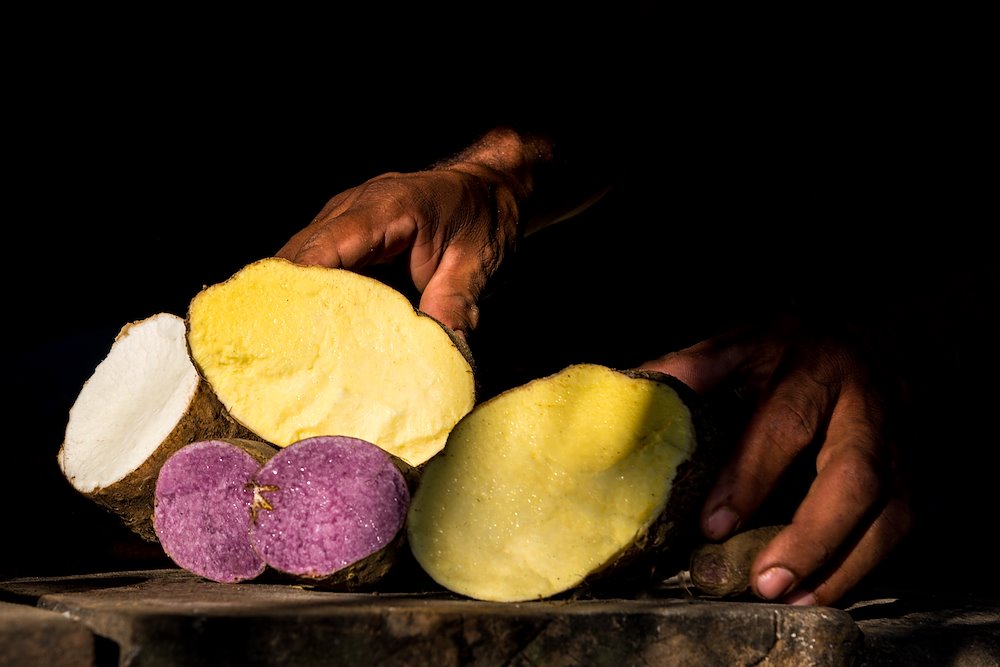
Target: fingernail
[801, 599]
[721, 523]
[774, 582]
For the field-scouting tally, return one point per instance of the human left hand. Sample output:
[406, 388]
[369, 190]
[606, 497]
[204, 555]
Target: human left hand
[812, 390]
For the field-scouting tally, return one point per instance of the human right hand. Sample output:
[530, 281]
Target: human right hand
[452, 226]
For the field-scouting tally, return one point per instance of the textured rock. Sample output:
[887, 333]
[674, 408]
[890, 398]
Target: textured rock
[31, 636]
[173, 617]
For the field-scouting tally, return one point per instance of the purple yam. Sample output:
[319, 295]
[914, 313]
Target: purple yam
[202, 508]
[328, 505]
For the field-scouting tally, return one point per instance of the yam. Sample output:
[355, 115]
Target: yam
[144, 401]
[203, 508]
[723, 569]
[330, 510]
[588, 475]
[326, 511]
[297, 351]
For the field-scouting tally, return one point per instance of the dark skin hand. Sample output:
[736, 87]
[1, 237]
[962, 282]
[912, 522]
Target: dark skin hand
[811, 390]
[453, 226]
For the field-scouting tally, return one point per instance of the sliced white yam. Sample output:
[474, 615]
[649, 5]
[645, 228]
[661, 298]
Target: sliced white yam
[143, 402]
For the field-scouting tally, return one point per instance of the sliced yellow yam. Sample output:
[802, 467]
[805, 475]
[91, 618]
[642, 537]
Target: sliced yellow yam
[548, 485]
[298, 351]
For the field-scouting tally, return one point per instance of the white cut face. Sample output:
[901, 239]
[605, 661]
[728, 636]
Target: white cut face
[132, 402]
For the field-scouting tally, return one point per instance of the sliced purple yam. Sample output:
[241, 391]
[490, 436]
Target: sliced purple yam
[327, 503]
[202, 508]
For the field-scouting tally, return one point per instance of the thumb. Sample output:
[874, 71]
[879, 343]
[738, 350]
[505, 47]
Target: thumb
[451, 298]
[702, 366]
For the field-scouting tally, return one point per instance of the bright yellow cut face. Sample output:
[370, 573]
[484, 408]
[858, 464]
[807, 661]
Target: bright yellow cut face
[295, 351]
[546, 483]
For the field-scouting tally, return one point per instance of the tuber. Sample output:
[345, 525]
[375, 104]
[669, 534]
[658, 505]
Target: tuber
[330, 510]
[723, 569]
[327, 510]
[144, 402]
[202, 508]
[298, 351]
[581, 476]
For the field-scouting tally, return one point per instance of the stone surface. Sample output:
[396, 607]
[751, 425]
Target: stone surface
[169, 617]
[32, 637]
[915, 628]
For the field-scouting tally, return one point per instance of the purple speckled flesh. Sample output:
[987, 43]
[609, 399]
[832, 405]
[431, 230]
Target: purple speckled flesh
[325, 503]
[202, 511]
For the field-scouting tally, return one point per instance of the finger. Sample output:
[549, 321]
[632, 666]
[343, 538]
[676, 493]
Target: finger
[876, 542]
[706, 364]
[362, 226]
[343, 241]
[786, 421]
[319, 232]
[838, 501]
[853, 472]
[452, 293]
[888, 530]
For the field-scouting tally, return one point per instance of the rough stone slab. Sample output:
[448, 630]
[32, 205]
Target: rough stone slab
[169, 617]
[32, 637]
[917, 628]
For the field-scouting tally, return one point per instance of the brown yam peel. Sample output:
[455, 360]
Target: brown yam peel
[723, 569]
[144, 402]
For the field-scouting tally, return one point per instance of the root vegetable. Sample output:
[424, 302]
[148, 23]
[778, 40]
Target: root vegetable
[723, 570]
[202, 513]
[327, 510]
[330, 510]
[590, 474]
[299, 351]
[144, 402]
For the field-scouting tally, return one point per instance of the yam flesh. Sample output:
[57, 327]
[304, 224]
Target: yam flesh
[144, 401]
[298, 351]
[327, 511]
[330, 510]
[203, 508]
[587, 475]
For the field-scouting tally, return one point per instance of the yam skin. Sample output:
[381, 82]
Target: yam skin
[723, 569]
[298, 351]
[589, 477]
[203, 508]
[144, 402]
[330, 511]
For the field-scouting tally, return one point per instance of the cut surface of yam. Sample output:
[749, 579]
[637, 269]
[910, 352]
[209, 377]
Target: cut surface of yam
[202, 509]
[330, 509]
[547, 484]
[143, 402]
[298, 351]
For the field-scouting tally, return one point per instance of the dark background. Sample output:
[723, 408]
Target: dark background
[148, 163]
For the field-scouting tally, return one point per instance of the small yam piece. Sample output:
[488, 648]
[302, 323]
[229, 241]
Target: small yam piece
[297, 351]
[723, 570]
[330, 509]
[144, 402]
[202, 513]
[567, 479]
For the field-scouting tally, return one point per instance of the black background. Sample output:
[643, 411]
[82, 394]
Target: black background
[148, 161]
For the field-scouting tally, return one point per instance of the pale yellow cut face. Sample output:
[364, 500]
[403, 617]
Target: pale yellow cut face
[295, 352]
[545, 484]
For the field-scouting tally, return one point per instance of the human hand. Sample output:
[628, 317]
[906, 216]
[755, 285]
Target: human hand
[813, 391]
[453, 227]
